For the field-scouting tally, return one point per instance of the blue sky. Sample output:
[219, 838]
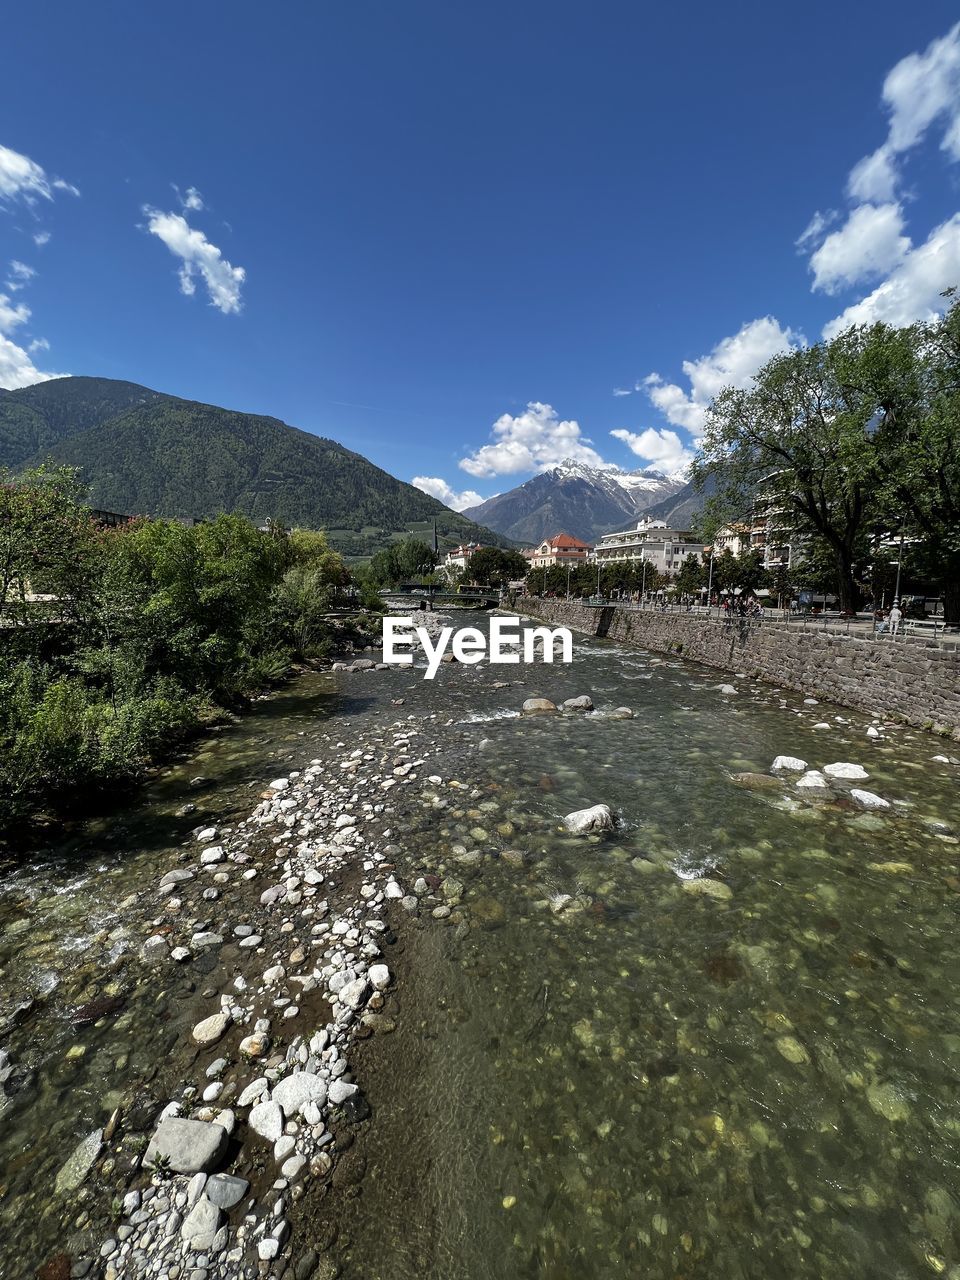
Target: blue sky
[467, 240]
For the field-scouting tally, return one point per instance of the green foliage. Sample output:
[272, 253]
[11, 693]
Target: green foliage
[142, 452]
[406, 561]
[153, 622]
[492, 567]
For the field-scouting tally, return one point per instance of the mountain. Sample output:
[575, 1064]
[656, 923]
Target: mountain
[681, 509]
[142, 452]
[573, 498]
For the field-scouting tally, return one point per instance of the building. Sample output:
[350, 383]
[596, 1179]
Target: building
[734, 538]
[561, 549]
[652, 540]
[458, 559]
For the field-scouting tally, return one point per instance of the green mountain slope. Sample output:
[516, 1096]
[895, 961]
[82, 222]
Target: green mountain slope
[142, 452]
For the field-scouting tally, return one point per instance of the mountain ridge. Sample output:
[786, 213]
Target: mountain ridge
[572, 497]
[144, 452]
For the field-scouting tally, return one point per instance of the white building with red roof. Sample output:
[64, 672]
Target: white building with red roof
[561, 549]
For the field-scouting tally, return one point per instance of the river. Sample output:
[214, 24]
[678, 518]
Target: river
[721, 1041]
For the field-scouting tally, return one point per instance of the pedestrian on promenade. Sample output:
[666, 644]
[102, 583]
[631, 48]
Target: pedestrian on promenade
[894, 618]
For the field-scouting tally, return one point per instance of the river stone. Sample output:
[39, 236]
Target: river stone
[583, 703]
[621, 713]
[255, 1046]
[793, 763]
[211, 1029]
[254, 1090]
[155, 949]
[188, 1146]
[868, 799]
[379, 976]
[813, 780]
[201, 1225]
[80, 1163]
[225, 1191]
[705, 887]
[177, 876]
[293, 1092]
[597, 818]
[757, 781]
[340, 1091]
[212, 855]
[266, 1118]
[354, 994]
[539, 707]
[855, 772]
[206, 940]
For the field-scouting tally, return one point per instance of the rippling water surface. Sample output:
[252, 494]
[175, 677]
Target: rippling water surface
[723, 1041]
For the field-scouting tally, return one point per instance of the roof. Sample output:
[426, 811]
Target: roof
[566, 541]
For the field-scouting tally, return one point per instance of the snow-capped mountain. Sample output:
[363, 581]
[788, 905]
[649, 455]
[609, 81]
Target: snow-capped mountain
[574, 498]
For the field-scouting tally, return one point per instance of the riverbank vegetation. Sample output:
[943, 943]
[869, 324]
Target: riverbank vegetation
[850, 447]
[116, 643]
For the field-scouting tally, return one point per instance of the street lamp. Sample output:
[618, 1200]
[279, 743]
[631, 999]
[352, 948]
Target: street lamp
[896, 589]
[569, 568]
[710, 581]
[544, 579]
[643, 581]
[598, 579]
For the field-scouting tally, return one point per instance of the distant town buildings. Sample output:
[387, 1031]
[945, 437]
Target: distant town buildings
[651, 540]
[734, 538]
[458, 559]
[561, 549]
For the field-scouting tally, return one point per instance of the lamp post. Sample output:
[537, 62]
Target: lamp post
[896, 589]
[643, 581]
[569, 568]
[598, 579]
[710, 581]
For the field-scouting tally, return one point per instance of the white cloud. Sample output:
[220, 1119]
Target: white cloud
[198, 256]
[38, 344]
[41, 238]
[732, 362]
[531, 441]
[662, 449]
[813, 232]
[922, 90]
[438, 488]
[912, 291]
[622, 391]
[16, 367]
[23, 179]
[874, 177]
[191, 199]
[20, 274]
[869, 244]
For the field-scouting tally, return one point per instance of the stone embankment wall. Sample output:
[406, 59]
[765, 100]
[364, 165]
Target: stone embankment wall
[904, 681]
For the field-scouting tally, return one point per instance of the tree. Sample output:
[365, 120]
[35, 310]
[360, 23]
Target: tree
[691, 577]
[401, 561]
[492, 567]
[800, 439]
[918, 444]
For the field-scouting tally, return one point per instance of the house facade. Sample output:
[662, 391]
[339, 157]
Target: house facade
[651, 540]
[561, 549]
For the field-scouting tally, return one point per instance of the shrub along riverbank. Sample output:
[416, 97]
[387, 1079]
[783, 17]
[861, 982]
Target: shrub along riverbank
[141, 635]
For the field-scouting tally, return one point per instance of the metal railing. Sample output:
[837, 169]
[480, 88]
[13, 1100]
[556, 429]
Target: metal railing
[928, 632]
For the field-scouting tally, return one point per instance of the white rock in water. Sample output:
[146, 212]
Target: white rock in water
[872, 732]
[813, 780]
[293, 1092]
[279, 784]
[201, 1225]
[213, 854]
[354, 994]
[266, 1118]
[727, 689]
[793, 763]
[379, 975]
[822, 725]
[188, 1146]
[206, 835]
[340, 1091]
[583, 703]
[211, 1029]
[855, 772]
[869, 800]
[597, 818]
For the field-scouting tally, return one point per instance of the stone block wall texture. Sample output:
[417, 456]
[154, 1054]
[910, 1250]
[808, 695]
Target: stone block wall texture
[908, 682]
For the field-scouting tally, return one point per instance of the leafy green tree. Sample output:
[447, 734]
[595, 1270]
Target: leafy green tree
[801, 440]
[692, 576]
[492, 567]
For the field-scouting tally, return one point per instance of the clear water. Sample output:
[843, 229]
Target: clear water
[596, 1071]
[648, 1081]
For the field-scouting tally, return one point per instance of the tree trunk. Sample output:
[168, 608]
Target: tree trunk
[951, 601]
[849, 593]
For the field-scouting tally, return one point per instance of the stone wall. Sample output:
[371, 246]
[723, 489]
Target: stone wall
[908, 682]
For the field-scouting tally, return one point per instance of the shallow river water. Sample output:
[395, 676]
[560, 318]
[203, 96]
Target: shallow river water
[723, 1041]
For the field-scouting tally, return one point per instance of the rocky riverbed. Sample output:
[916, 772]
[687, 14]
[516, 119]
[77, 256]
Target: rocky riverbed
[482, 974]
